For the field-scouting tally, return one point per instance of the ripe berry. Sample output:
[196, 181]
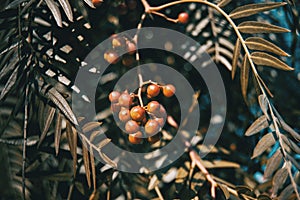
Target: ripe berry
[97, 2]
[160, 121]
[135, 138]
[127, 60]
[131, 127]
[125, 100]
[124, 115]
[183, 18]
[153, 139]
[152, 127]
[137, 113]
[162, 112]
[153, 90]
[153, 107]
[118, 42]
[111, 57]
[169, 90]
[114, 96]
[130, 47]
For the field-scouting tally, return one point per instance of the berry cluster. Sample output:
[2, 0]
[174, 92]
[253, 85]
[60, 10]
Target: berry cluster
[118, 44]
[141, 121]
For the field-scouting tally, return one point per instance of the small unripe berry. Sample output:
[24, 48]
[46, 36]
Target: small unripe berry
[137, 113]
[115, 107]
[151, 127]
[125, 100]
[118, 42]
[153, 90]
[97, 3]
[114, 96]
[132, 127]
[183, 18]
[111, 57]
[135, 138]
[169, 90]
[160, 121]
[130, 47]
[124, 115]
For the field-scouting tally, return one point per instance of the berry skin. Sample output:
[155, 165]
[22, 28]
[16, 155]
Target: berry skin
[162, 112]
[153, 139]
[97, 3]
[130, 47]
[132, 127]
[183, 18]
[124, 115]
[135, 138]
[114, 96]
[115, 107]
[118, 42]
[160, 121]
[111, 57]
[169, 90]
[153, 107]
[152, 127]
[125, 100]
[137, 113]
[153, 90]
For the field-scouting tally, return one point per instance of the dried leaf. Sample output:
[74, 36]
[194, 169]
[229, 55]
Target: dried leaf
[57, 132]
[220, 164]
[89, 3]
[86, 162]
[279, 179]
[261, 58]
[93, 166]
[290, 143]
[225, 62]
[107, 160]
[263, 105]
[245, 76]
[287, 128]
[9, 84]
[263, 144]
[225, 191]
[273, 164]
[260, 27]
[61, 103]
[67, 8]
[263, 197]
[153, 182]
[9, 67]
[55, 11]
[49, 115]
[257, 43]
[294, 162]
[286, 193]
[235, 57]
[172, 121]
[72, 141]
[223, 3]
[103, 143]
[90, 126]
[258, 125]
[251, 9]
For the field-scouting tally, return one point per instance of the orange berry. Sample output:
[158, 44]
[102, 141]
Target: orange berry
[152, 127]
[153, 90]
[131, 47]
[124, 115]
[169, 90]
[160, 121]
[111, 57]
[115, 107]
[153, 107]
[97, 2]
[114, 96]
[183, 18]
[135, 138]
[137, 113]
[125, 100]
[132, 127]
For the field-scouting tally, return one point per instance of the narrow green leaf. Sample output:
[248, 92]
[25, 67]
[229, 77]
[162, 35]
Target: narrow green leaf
[245, 76]
[260, 27]
[261, 58]
[263, 144]
[257, 43]
[67, 8]
[55, 11]
[235, 57]
[251, 9]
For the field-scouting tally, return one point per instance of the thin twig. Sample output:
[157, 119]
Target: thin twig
[158, 193]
